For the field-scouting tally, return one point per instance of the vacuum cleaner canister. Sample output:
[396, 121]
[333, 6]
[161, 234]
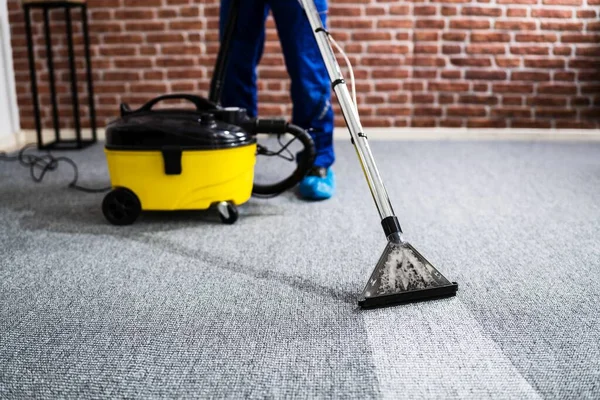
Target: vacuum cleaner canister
[177, 160]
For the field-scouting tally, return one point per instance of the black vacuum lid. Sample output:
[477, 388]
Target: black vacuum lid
[190, 130]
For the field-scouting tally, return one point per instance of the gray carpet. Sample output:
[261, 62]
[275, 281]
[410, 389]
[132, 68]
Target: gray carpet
[179, 305]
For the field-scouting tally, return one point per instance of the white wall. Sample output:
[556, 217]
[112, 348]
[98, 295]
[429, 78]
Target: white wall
[9, 115]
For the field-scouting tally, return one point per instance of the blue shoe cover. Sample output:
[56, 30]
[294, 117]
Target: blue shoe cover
[318, 185]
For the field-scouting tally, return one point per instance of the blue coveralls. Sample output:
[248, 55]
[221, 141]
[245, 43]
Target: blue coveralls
[310, 85]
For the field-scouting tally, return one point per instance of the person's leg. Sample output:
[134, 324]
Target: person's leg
[239, 86]
[310, 90]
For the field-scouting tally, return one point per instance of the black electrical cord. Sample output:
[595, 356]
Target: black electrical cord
[264, 151]
[40, 165]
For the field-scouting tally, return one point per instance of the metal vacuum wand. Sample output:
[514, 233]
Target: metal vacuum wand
[402, 273]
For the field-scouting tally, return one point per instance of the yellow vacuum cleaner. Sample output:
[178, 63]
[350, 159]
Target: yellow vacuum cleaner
[186, 159]
[181, 159]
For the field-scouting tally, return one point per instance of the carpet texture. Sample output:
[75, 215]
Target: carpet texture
[179, 305]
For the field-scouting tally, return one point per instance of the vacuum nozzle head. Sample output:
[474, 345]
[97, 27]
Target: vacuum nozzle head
[403, 275]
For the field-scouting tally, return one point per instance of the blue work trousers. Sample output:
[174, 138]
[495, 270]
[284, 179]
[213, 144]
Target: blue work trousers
[310, 84]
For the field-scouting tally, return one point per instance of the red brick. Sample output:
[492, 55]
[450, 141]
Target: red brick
[165, 38]
[430, 24]
[421, 111]
[145, 26]
[452, 123]
[512, 88]
[469, 24]
[590, 89]
[555, 113]
[451, 49]
[486, 123]
[516, 12]
[390, 73]
[547, 101]
[563, 2]
[424, 74]
[445, 98]
[414, 86]
[551, 13]
[483, 11]
[423, 10]
[142, 3]
[593, 51]
[562, 51]
[471, 62]
[449, 11]
[580, 102]
[531, 50]
[522, 123]
[584, 64]
[426, 49]
[425, 36]
[586, 14]
[530, 76]
[564, 76]
[580, 38]
[136, 14]
[486, 37]
[593, 26]
[562, 26]
[448, 86]
[398, 98]
[544, 63]
[515, 25]
[486, 49]
[454, 36]
[529, 37]
[488, 75]
[517, 1]
[576, 125]
[504, 62]
[399, 9]
[512, 101]
[478, 99]
[550, 88]
[588, 76]
[451, 74]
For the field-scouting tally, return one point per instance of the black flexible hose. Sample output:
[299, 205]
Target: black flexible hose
[303, 166]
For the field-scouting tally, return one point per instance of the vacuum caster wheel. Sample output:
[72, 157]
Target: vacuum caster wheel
[121, 207]
[228, 212]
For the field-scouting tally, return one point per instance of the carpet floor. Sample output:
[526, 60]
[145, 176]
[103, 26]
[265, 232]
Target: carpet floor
[180, 305]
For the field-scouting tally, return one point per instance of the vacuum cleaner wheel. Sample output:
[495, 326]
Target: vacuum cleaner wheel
[228, 212]
[121, 207]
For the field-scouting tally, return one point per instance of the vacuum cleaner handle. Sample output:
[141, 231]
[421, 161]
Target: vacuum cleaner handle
[201, 103]
[359, 138]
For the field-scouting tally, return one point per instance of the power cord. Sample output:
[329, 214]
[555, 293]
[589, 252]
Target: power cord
[40, 165]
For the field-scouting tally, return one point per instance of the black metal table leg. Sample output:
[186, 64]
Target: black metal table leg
[88, 61]
[32, 75]
[50, 59]
[73, 70]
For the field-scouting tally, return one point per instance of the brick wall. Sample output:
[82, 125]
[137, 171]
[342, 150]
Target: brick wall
[451, 63]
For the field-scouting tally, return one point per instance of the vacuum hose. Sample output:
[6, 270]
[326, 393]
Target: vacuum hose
[304, 163]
